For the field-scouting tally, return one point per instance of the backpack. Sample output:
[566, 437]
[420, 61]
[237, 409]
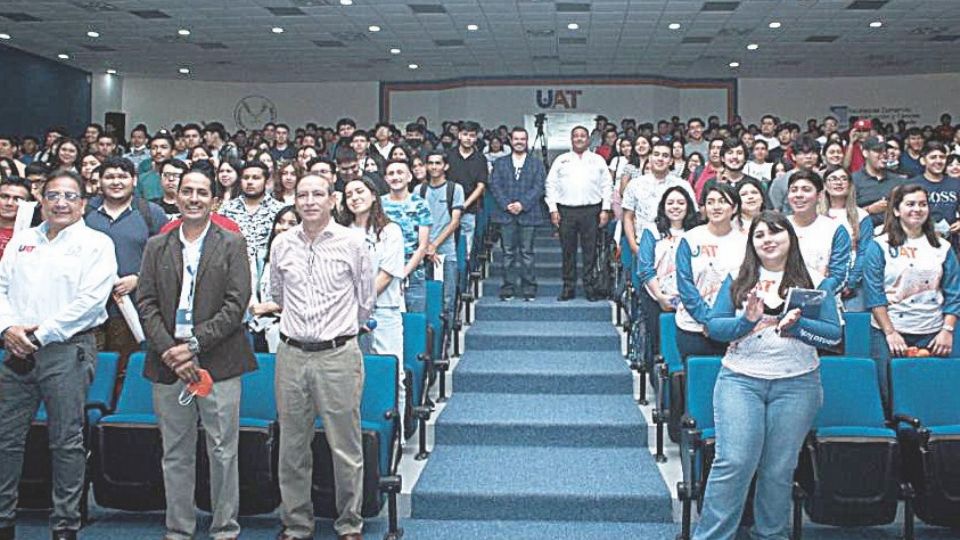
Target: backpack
[450, 191]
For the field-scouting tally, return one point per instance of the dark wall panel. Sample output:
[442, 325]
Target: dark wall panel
[36, 93]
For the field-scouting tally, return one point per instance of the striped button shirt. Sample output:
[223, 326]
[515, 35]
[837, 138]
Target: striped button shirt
[325, 286]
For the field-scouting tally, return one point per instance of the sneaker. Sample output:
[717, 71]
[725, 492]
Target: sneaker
[505, 297]
[529, 298]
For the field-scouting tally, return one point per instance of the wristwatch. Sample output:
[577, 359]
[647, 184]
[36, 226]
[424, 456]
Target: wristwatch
[193, 345]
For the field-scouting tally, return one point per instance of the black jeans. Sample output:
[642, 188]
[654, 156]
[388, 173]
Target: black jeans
[578, 224]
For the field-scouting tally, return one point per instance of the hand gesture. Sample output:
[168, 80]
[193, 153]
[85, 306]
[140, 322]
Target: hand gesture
[942, 345]
[555, 218]
[788, 320]
[898, 347]
[753, 309]
[16, 341]
[604, 217]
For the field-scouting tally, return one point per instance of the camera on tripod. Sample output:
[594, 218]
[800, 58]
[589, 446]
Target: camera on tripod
[538, 121]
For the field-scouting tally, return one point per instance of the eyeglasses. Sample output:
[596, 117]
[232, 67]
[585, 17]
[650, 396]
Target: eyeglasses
[171, 175]
[838, 178]
[55, 196]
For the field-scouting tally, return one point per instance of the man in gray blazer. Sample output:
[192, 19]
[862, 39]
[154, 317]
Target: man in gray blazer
[194, 290]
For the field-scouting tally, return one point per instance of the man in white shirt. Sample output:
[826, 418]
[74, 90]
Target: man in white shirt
[55, 280]
[578, 191]
[642, 196]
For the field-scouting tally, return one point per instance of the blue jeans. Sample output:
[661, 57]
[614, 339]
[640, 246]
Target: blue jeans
[449, 287]
[468, 224]
[60, 379]
[415, 296]
[761, 425]
[518, 269]
[880, 352]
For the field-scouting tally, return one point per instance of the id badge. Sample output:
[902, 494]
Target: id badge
[184, 325]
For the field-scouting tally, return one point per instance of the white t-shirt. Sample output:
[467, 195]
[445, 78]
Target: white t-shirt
[712, 258]
[643, 195]
[665, 260]
[912, 284]
[387, 256]
[816, 244]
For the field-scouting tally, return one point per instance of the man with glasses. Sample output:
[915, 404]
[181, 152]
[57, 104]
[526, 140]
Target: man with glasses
[170, 173]
[322, 277]
[54, 284]
[129, 221]
[12, 192]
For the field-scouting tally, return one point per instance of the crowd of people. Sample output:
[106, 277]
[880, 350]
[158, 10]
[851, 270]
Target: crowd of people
[311, 242]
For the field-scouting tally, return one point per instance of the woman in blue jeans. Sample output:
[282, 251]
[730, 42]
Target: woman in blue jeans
[768, 391]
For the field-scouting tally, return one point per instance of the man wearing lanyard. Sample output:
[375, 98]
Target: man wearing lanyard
[194, 291]
[578, 191]
[55, 280]
[321, 275]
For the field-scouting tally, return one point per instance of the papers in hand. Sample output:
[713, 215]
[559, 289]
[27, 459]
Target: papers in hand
[132, 318]
[808, 300]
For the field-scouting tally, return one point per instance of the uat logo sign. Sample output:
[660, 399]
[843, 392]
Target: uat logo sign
[558, 99]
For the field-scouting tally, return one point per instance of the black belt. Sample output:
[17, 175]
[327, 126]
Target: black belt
[317, 346]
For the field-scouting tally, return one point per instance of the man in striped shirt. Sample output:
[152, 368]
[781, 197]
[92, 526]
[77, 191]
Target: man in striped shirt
[322, 277]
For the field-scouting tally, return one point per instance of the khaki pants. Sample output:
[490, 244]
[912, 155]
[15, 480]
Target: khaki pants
[328, 384]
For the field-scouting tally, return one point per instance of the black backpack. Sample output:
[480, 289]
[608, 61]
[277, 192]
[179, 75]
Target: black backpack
[451, 189]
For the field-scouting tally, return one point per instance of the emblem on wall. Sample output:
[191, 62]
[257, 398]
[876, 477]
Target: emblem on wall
[252, 112]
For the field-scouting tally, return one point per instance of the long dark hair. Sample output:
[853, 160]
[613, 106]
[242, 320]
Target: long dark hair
[273, 227]
[896, 236]
[794, 272]
[690, 220]
[764, 199]
[377, 220]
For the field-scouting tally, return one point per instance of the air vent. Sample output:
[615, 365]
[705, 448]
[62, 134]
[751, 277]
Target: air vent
[696, 40]
[573, 41]
[867, 4]
[350, 37]
[99, 48]
[545, 58]
[328, 43]
[540, 32]
[929, 30]
[223, 63]
[313, 3]
[150, 14]
[720, 7]
[572, 7]
[945, 38]
[211, 45]
[573, 63]
[448, 42]
[286, 11]
[821, 39]
[19, 17]
[427, 9]
[95, 6]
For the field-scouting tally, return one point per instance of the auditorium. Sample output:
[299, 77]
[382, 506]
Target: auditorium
[491, 269]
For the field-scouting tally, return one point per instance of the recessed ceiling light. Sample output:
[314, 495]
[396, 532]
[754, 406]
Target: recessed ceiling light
[775, 24]
[63, 56]
[752, 47]
[734, 64]
[111, 72]
[413, 66]
[346, 2]
[876, 24]
[184, 71]
[674, 26]
[373, 28]
[394, 51]
[93, 34]
[4, 36]
[276, 30]
[472, 27]
[573, 26]
[183, 32]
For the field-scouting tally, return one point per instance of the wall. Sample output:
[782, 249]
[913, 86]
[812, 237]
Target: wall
[916, 98]
[38, 93]
[160, 103]
[506, 101]
[107, 96]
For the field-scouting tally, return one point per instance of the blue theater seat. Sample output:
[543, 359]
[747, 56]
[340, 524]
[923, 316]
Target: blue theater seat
[697, 442]
[127, 449]
[380, 427]
[856, 334]
[36, 480]
[670, 380]
[259, 445]
[437, 327]
[850, 460]
[926, 405]
[414, 366]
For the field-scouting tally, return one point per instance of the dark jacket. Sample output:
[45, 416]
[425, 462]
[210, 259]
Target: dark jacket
[506, 188]
[220, 302]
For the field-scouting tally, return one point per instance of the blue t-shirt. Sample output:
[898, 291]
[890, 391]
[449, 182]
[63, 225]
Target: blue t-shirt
[437, 201]
[943, 197]
[410, 214]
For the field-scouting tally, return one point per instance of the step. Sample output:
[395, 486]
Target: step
[572, 420]
[491, 308]
[541, 483]
[542, 336]
[422, 529]
[553, 372]
[540, 269]
[547, 287]
[540, 255]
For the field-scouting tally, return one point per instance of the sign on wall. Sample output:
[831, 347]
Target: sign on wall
[252, 112]
[558, 98]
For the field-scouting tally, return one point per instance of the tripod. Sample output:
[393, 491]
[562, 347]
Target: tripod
[539, 120]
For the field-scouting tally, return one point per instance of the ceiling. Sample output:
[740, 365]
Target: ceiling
[323, 40]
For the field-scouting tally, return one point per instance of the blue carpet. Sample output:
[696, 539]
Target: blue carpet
[546, 287]
[545, 336]
[491, 308]
[551, 372]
